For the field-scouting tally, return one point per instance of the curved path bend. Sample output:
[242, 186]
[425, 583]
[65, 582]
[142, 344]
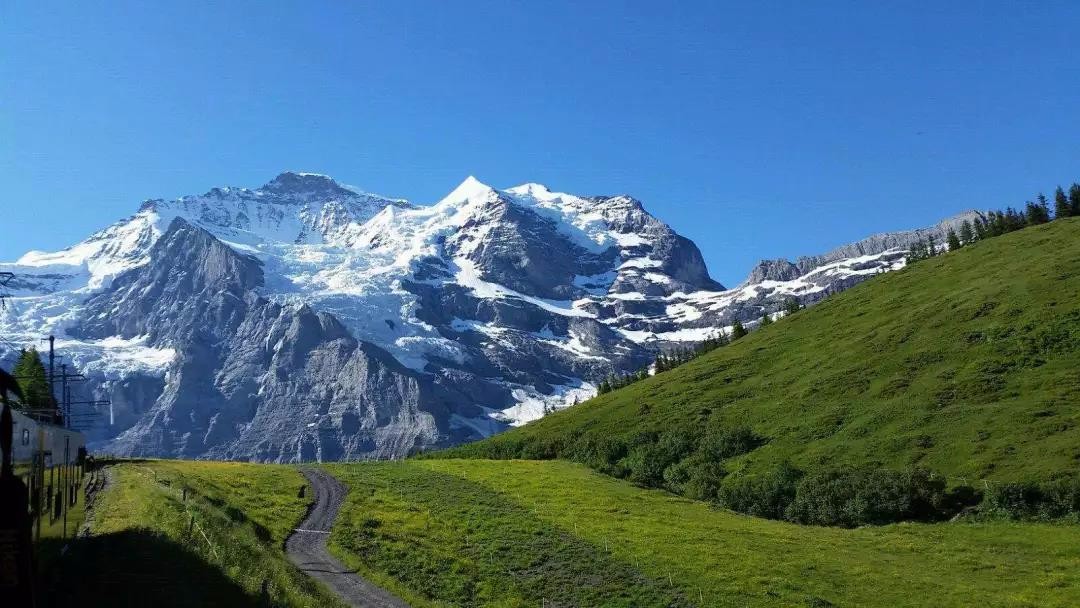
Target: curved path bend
[306, 547]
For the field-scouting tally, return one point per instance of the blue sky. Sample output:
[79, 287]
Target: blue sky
[758, 129]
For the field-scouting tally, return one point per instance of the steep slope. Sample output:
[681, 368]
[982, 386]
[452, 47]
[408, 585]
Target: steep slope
[966, 363]
[254, 379]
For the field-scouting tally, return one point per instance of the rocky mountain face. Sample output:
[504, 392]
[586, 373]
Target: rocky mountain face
[305, 320]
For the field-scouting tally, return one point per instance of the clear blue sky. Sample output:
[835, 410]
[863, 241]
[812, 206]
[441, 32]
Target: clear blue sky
[757, 129]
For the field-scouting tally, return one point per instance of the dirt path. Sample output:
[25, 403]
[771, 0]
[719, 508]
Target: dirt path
[306, 548]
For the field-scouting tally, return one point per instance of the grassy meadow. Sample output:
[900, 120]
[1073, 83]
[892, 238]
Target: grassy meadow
[553, 533]
[148, 546]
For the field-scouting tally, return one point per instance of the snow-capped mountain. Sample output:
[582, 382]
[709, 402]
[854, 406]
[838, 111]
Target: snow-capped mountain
[308, 320]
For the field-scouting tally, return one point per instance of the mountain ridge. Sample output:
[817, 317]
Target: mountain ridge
[513, 302]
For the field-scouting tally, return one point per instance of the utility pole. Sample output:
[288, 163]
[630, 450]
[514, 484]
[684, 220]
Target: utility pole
[64, 387]
[5, 278]
[52, 356]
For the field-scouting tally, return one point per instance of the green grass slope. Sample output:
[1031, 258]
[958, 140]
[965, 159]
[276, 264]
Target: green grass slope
[967, 363]
[552, 533]
[143, 549]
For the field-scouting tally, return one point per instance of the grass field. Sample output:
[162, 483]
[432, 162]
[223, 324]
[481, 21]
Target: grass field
[552, 533]
[967, 363]
[150, 547]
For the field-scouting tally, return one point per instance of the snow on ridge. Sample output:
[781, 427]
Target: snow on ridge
[117, 357]
[468, 276]
[532, 405]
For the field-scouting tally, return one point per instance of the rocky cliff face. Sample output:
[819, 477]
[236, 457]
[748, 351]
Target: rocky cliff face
[253, 379]
[305, 320]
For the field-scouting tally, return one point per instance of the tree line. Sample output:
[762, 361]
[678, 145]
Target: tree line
[999, 222]
[671, 359]
[690, 459]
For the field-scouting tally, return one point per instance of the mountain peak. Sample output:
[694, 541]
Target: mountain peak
[539, 191]
[468, 189]
[293, 182]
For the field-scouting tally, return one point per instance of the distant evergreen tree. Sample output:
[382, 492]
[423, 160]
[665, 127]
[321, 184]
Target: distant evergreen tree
[659, 363]
[967, 234]
[931, 246]
[1074, 199]
[953, 240]
[916, 252]
[737, 331]
[1014, 220]
[1036, 213]
[30, 373]
[791, 305]
[1061, 204]
[766, 319]
[605, 387]
[981, 230]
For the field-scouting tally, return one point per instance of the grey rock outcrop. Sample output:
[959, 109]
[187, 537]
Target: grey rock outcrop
[255, 379]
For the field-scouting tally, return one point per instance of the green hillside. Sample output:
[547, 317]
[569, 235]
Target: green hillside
[528, 533]
[967, 364]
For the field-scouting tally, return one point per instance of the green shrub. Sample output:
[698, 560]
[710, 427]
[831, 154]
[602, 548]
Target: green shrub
[695, 478]
[1028, 500]
[875, 496]
[645, 465]
[765, 495]
[652, 454]
[720, 444]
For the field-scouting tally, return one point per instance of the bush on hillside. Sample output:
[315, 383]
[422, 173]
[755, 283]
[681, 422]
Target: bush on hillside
[599, 453]
[695, 477]
[875, 496]
[652, 454]
[765, 495]
[1028, 500]
[720, 444]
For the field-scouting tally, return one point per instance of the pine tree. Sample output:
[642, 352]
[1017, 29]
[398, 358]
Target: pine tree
[981, 231]
[737, 331]
[967, 235]
[1037, 213]
[915, 253]
[1074, 199]
[931, 247]
[953, 240]
[1061, 204]
[766, 319]
[34, 382]
[722, 339]
[1014, 220]
[791, 305]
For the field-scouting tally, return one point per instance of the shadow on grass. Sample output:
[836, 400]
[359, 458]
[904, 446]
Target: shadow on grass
[134, 568]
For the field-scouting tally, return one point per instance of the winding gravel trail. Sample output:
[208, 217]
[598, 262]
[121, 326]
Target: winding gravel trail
[306, 548]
